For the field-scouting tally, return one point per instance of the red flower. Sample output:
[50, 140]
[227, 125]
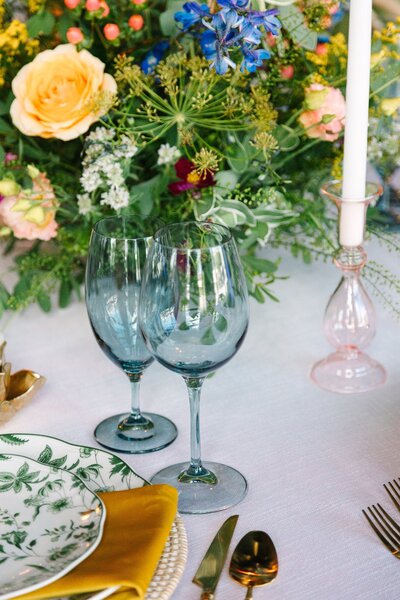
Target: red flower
[190, 179]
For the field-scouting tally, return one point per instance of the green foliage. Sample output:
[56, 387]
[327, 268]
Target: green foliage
[240, 132]
[41, 24]
[293, 20]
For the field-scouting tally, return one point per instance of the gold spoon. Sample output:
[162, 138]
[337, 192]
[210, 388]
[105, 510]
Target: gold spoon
[254, 561]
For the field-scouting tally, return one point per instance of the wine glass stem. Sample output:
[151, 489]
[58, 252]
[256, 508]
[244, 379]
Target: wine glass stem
[134, 379]
[249, 594]
[194, 389]
[135, 425]
[196, 471]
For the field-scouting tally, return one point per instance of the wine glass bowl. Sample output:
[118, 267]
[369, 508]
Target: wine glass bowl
[194, 316]
[113, 280]
[202, 313]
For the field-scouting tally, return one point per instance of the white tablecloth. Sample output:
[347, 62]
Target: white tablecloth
[313, 459]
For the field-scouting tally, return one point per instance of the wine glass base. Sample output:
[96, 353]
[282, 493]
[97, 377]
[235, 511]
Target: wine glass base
[348, 373]
[108, 435]
[199, 497]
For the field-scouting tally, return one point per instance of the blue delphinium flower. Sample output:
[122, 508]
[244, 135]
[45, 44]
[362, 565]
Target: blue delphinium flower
[253, 58]
[154, 56]
[208, 43]
[234, 27]
[235, 4]
[191, 14]
[267, 18]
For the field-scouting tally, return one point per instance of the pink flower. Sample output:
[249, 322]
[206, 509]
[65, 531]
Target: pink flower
[325, 112]
[334, 6]
[31, 216]
[9, 158]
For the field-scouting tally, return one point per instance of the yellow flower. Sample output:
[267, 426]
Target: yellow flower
[14, 39]
[389, 106]
[54, 93]
[35, 5]
[378, 57]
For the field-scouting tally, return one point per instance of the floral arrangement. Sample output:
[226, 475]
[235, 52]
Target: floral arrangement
[230, 110]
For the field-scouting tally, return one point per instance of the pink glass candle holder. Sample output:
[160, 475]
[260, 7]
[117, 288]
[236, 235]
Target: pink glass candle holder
[349, 321]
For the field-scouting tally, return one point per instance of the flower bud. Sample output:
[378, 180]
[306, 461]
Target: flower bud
[9, 187]
[315, 98]
[22, 205]
[33, 171]
[35, 215]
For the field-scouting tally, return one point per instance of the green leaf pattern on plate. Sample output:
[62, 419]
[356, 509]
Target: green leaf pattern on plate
[99, 470]
[70, 521]
[109, 473]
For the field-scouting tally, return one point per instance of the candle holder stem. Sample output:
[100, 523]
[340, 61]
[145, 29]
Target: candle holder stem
[349, 326]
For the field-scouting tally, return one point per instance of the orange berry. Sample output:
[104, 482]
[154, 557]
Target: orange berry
[105, 7]
[287, 72]
[136, 22]
[271, 39]
[71, 4]
[111, 31]
[138, 1]
[74, 35]
[92, 5]
[321, 49]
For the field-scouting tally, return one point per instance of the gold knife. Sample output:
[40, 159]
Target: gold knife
[211, 566]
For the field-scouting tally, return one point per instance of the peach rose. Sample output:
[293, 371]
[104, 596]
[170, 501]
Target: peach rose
[54, 93]
[325, 112]
[31, 216]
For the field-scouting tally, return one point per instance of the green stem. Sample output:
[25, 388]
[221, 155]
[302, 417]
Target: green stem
[297, 153]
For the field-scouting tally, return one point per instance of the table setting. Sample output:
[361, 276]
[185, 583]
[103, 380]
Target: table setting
[278, 474]
[313, 460]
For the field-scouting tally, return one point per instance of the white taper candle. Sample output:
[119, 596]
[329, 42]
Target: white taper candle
[356, 129]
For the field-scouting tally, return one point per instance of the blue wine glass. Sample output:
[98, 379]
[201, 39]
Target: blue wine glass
[113, 279]
[194, 316]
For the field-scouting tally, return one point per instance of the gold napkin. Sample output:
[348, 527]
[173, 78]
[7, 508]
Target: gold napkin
[136, 528]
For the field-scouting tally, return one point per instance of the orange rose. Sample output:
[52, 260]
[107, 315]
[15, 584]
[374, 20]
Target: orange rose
[54, 93]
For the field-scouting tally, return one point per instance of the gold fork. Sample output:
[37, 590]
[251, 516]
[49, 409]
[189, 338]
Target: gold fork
[393, 489]
[386, 528]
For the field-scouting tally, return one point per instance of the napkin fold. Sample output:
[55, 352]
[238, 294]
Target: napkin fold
[135, 531]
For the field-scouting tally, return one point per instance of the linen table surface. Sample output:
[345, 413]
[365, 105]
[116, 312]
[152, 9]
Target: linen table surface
[313, 459]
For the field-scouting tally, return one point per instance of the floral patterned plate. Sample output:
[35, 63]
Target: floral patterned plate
[49, 522]
[101, 470]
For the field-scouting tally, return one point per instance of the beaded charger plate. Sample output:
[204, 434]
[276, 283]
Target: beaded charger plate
[102, 471]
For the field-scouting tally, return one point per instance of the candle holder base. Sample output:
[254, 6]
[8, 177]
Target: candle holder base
[348, 371]
[349, 321]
